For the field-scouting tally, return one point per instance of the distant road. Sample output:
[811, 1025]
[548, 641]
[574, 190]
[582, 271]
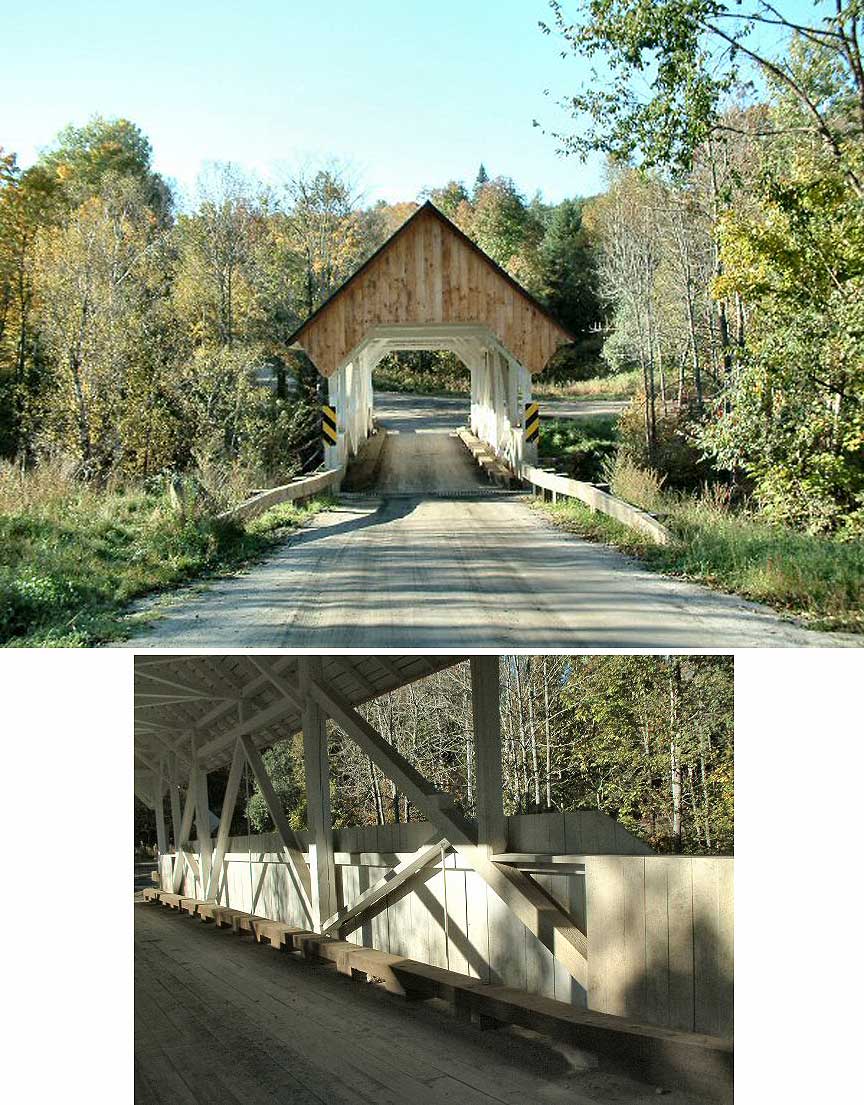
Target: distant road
[581, 408]
[424, 413]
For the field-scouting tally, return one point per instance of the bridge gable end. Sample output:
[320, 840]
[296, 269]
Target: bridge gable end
[429, 273]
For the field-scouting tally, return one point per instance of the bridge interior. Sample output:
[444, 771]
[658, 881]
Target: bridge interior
[509, 921]
[224, 1020]
[422, 453]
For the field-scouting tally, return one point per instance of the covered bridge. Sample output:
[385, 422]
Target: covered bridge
[430, 287]
[561, 923]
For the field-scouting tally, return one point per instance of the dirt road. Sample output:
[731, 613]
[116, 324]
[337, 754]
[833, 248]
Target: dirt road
[409, 568]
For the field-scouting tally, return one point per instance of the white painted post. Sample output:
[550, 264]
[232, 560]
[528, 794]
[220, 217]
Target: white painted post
[202, 816]
[486, 710]
[174, 784]
[182, 842]
[527, 451]
[159, 806]
[337, 454]
[235, 777]
[369, 395]
[322, 867]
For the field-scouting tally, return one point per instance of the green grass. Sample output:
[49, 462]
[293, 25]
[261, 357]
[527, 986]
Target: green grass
[578, 448]
[421, 383]
[70, 563]
[819, 579]
[621, 385]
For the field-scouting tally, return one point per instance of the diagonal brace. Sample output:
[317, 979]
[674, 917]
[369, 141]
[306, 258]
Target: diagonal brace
[536, 909]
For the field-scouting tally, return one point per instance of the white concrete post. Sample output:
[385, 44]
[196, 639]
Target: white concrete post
[486, 709]
[322, 867]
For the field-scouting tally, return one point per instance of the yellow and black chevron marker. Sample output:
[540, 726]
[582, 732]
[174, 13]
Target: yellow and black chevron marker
[328, 425]
[532, 421]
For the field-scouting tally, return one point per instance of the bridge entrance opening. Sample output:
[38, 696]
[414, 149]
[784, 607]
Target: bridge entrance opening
[421, 452]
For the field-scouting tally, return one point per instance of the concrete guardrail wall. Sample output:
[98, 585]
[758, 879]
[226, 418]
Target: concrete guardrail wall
[598, 500]
[301, 488]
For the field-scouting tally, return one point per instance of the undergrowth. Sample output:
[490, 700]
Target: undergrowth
[817, 578]
[72, 557]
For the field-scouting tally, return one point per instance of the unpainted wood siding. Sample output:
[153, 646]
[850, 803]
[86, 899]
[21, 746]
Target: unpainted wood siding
[660, 939]
[428, 274]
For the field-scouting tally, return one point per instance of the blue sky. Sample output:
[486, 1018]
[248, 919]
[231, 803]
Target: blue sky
[410, 93]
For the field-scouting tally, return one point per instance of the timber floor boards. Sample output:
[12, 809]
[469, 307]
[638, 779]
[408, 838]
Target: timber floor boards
[222, 1020]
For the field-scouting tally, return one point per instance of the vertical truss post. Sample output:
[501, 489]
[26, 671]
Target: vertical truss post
[297, 867]
[180, 858]
[317, 766]
[486, 708]
[159, 806]
[202, 815]
[174, 785]
[235, 777]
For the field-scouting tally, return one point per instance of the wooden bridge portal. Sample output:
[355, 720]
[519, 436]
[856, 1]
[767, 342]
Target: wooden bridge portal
[430, 287]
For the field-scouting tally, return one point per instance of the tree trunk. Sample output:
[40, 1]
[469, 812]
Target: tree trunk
[376, 793]
[535, 766]
[674, 754]
[548, 736]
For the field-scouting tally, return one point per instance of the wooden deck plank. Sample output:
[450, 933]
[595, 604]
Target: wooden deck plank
[302, 1034]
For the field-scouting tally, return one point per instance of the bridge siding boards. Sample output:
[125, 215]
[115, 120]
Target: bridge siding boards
[660, 940]
[659, 927]
[428, 272]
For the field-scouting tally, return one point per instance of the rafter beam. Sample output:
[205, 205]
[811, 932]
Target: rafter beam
[283, 685]
[187, 686]
[259, 720]
[345, 665]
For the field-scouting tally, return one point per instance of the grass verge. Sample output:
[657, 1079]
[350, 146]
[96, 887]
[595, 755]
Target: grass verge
[71, 564]
[819, 579]
[620, 385]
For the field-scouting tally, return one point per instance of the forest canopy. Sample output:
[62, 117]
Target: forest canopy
[647, 740]
[136, 328]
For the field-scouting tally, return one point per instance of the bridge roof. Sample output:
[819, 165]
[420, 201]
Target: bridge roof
[430, 273]
[177, 696]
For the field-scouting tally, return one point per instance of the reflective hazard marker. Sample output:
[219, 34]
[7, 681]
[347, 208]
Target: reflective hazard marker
[328, 424]
[532, 421]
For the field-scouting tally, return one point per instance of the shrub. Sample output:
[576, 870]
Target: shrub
[580, 448]
[643, 487]
[675, 456]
